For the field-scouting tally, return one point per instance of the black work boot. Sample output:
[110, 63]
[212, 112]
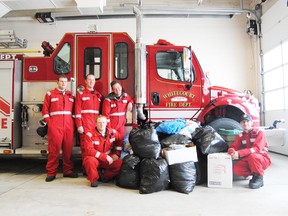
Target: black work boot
[71, 175]
[94, 184]
[101, 176]
[50, 178]
[256, 182]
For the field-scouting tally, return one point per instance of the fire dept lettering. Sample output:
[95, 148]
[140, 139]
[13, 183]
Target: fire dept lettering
[171, 104]
[7, 57]
[179, 99]
[178, 93]
[179, 104]
[185, 104]
[4, 123]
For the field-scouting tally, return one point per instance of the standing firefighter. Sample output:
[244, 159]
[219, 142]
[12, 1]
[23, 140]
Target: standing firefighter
[57, 112]
[101, 149]
[87, 106]
[115, 106]
[250, 151]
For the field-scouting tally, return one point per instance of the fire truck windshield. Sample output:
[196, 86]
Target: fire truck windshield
[62, 60]
[170, 66]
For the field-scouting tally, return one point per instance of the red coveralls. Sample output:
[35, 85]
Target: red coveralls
[87, 108]
[115, 111]
[95, 149]
[57, 112]
[253, 153]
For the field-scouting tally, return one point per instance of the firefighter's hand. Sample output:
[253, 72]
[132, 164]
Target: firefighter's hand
[115, 157]
[47, 120]
[80, 130]
[109, 159]
[129, 107]
[231, 151]
[235, 155]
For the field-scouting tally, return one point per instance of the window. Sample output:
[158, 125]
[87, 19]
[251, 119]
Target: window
[92, 62]
[275, 78]
[272, 59]
[272, 102]
[285, 52]
[62, 63]
[285, 69]
[121, 60]
[170, 66]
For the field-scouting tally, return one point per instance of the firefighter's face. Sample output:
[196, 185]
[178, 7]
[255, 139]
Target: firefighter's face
[62, 83]
[90, 81]
[117, 89]
[246, 125]
[101, 123]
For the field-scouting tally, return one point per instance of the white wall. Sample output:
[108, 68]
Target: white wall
[222, 45]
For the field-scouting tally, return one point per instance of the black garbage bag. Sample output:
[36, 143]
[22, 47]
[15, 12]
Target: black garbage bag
[208, 140]
[183, 176]
[129, 176]
[145, 142]
[162, 136]
[201, 168]
[175, 139]
[154, 175]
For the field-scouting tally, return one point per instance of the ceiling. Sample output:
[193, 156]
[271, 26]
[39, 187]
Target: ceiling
[82, 9]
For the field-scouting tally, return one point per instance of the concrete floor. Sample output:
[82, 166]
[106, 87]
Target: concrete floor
[23, 191]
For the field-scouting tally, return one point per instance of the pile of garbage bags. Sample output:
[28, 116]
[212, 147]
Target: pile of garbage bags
[144, 165]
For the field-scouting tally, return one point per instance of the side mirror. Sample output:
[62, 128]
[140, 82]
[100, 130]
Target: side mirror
[187, 66]
[187, 60]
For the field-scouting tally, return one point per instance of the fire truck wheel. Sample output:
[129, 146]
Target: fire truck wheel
[225, 123]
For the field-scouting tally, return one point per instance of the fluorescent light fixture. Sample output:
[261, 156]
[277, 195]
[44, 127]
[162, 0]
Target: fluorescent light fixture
[90, 6]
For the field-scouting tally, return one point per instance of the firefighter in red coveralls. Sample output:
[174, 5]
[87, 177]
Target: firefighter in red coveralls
[115, 106]
[250, 151]
[87, 106]
[101, 150]
[57, 112]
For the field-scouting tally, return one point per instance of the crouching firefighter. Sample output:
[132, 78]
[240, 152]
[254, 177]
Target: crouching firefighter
[101, 149]
[250, 152]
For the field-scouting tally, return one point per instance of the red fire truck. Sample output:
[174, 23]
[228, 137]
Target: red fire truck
[166, 81]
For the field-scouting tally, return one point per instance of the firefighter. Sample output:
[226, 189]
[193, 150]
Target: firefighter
[87, 106]
[101, 149]
[57, 113]
[115, 106]
[250, 152]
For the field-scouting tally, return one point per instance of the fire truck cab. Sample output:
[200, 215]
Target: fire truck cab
[165, 80]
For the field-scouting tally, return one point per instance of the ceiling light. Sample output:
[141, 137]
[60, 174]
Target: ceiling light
[90, 6]
[44, 17]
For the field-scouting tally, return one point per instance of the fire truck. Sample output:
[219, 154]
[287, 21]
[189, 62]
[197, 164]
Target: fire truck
[165, 80]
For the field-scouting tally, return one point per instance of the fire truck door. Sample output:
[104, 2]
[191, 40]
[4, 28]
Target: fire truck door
[93, 57]
[170, 94]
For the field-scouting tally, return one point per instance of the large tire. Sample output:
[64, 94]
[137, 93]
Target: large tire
[225, 123]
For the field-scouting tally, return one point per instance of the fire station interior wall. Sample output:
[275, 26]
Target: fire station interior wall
[274, 28]
[224, 49]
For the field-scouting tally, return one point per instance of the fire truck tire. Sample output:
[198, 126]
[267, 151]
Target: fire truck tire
[225, 123]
